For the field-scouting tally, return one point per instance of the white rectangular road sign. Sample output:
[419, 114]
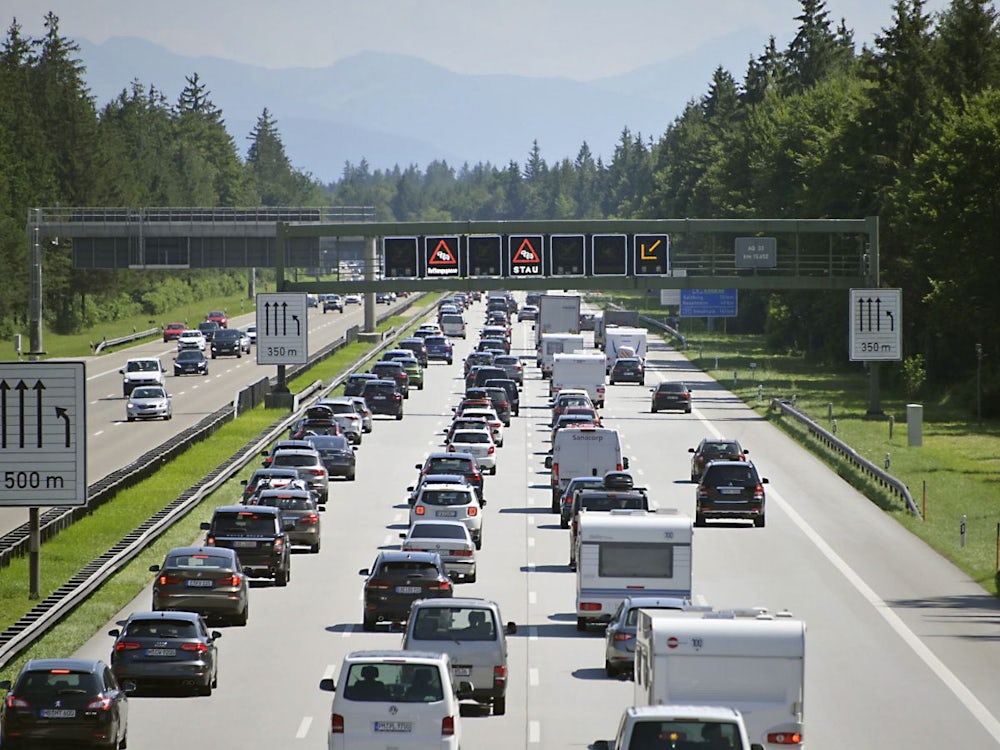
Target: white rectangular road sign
[282, 329]
[43, 434]
[876, 319]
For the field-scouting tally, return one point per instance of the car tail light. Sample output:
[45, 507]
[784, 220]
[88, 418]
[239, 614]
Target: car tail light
[619, 467]
[419, 510]
[100, 703]
[448, 726]
[441, 586]
[784, 738]
[451, 448]
[499, 675]
[200, 648]
[462, 553]
[758, 492]
[317, 472]
[166, 580]
[702, 493]
[686, 395]
[231, 581]
[378, 585]
[555, 472]
[336, 724]
[590, 606]
[279, 545]
[397, 397]
[311, 518]
[126, 646]
[624, 637]
[12, 701]
[473, 511]
[491, 450]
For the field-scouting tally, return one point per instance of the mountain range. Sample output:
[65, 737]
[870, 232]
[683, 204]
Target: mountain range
[394, 110]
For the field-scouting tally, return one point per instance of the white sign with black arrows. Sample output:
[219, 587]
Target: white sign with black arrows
[876, 317]
[282, 329]
[43, 434]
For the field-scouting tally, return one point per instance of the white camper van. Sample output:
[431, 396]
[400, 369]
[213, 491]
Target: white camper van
[625, 553]
[754, 665]
[631, 339]
[580, 369]
[556, 343]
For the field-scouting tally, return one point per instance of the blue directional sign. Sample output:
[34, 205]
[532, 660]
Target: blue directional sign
[708, 303]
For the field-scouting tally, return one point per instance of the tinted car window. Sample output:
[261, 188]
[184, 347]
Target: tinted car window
[407, 569]
[198, 560]
[438, 531]
[733, 474]
[243, 524]
[444, 497]
[448, 466]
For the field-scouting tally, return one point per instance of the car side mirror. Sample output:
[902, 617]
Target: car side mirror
[114, 633]
[121, 372]
[690, 450]
[244, 482]
[548, 462]
[204, 526]
[745, 451]
[764, 480]
[328, 685]
[216, 635]
[321, 509]
[129, 687]
[364, 572]
[511, 628]
[625, 463]
[154, 568]
[601, 745]
[417, 466]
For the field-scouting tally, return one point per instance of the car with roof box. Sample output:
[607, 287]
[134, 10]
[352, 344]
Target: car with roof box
[473, 633]
[383, 397]
[208, 580]
[617, 492]
[566, 502]
[397, 579]
[166, 648]
[259, 536]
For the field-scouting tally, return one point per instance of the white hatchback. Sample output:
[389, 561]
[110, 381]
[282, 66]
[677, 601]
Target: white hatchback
[450, 502]
[397, 699]
[490, 415]
[477, 442]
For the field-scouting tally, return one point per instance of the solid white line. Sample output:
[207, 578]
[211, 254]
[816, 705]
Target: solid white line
[328, 672]
[530, 566]
[304, 727]
[982, 714]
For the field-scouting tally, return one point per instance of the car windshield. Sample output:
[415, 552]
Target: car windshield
[439, 531]
[445, 497]
[197, 560]
[148, 393]
[720, 449]
[454, 623]
[243, 524]
[143, 366]
[190, 356]
[398, 682]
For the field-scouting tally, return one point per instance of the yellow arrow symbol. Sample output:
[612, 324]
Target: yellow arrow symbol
[649, 254]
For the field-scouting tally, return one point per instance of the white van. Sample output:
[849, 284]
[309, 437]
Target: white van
[584, 451]
[398, 699]
[625, 553]
[472, 633]
[453, 324]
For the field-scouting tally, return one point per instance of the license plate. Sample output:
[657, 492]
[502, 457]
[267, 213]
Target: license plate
[393, 726]
[199, 583]
[446, 513]
[407, 589]
[730, 490]
[461, 671]
[161, 652]
[244, 544]
[57, 713]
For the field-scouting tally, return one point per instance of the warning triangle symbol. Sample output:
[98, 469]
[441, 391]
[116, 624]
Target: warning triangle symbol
[526, 253]
[442, 255]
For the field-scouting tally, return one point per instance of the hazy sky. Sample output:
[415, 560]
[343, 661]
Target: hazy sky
[578, 39]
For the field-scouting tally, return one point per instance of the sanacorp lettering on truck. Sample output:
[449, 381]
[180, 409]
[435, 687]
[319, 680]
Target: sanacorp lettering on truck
[584, 452]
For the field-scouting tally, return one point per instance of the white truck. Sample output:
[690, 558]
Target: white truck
[557, 313]
[579, 369]
[624, 553]
[556, 343]
[680, 727]
[754, 665]
[633, 340]
[609, 318]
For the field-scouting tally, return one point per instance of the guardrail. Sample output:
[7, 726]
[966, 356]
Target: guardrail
[53, 608]
[134, 336]
[845, 451]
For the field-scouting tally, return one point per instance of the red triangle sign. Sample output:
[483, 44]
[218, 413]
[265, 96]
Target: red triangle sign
[442, 255]
[526, 253]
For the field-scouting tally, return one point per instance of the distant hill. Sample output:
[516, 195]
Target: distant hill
[396, 110]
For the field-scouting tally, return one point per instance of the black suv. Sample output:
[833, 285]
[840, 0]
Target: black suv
[730, 489]
[509, 385]
[396, 580]
[392, 370]
[230, 341]
[418, 348]
[383, 397]
[208, 329]
[259, 534]
[671, 395]
[627, 369]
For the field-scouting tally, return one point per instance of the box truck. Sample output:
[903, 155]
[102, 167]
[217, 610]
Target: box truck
[579, 369]
[624, 342]
[624, 553]
[752, 664]
[557, 313]
[556, 343]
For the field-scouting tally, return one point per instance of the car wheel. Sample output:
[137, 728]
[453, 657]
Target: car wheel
[281, 578]
[204, 690]
[449, 361]
[500, 705]
[759, 521]
[215, 680]
[350, 477]
[653, 409]
[368, 625]
[611, 382]
[609, 669]
[581, 624]
[239, 355]
[314, 548]
[129, 419]
[699, 519]
[399, 416]
[563, 523]
[493, 470]
[122, 743]
[479, 543]
[471, 578]
[213, 355]
[242, 617]
[555, 505]
[688, 410]
[420, 387]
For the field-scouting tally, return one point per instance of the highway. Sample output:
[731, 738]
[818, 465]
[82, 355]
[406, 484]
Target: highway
[113, 442]
[901, 645]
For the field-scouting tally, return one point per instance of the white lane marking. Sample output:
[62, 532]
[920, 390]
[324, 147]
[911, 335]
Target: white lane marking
[534, 732]
[533, 633]
[938, 667]
[347, 631]
[328, 672]
[532, 597]
[530, 566]
[531, 521]
[531, 541]
[640, 472]
[700, 600]
[304, 727]
[95, 401]
[533, 677]
[99, 432]
[387, 540]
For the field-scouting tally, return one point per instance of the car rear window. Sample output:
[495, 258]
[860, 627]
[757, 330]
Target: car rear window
[444, 497]
[407, 569]
[162, 629]
[243, 524]
[383, 388]
[398, 682]
[438, 531]
[294, 459]
[470, 436]
[730, 474]
[671, 388]
[197, 560]
[45, 682]
[449, 466]
[605, 502]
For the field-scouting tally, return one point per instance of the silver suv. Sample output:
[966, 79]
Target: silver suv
[142, 371]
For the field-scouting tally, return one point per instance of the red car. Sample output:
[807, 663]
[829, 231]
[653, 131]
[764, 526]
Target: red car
[218, 316]
[172, 331]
